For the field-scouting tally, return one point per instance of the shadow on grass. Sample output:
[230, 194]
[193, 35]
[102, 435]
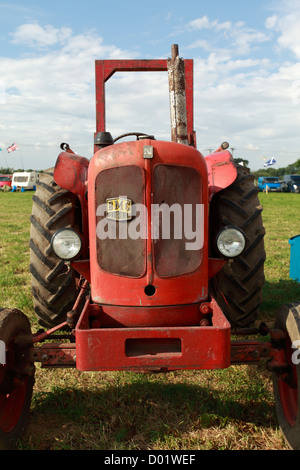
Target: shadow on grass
[141, 415]
[276, 294]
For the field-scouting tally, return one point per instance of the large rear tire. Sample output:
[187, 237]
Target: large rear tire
[16, 377]
[53, 286]
[287, 393]
[238, 286]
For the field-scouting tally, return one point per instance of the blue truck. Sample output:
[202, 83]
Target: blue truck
[272, 182]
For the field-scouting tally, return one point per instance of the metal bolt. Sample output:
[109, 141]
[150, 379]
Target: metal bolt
[205, 308]
[204, 322]
[255, 353]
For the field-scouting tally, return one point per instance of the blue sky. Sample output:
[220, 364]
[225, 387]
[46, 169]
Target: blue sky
[246, 66]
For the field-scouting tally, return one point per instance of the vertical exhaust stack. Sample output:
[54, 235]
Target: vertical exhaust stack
[176, 76]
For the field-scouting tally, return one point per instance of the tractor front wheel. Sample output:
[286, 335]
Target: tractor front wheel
[16, 376]
[53, 285]
[238, 286]
[287, 389]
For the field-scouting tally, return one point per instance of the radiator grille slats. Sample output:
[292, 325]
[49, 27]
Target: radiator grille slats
[173, 187]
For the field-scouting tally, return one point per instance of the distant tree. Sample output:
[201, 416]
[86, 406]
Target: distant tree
[20, 170]
[6, 171]
[10, 171]
[292, 169]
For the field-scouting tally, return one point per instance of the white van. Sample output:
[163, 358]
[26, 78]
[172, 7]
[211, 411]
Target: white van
[24, 180]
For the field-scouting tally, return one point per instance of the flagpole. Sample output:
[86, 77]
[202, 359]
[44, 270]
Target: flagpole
[21, 160]
[5, 160]
[14, 147]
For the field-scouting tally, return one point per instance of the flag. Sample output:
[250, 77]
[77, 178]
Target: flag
[270, 162]
[12, 147]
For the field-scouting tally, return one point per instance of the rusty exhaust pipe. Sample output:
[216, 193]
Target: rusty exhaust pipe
[176, 77]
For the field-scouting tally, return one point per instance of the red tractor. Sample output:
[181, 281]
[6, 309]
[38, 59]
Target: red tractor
[148, 257]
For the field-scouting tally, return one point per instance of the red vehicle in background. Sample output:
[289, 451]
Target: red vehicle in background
[5, 180]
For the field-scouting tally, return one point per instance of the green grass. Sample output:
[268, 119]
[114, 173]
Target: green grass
[14, 251]
[230, 409]
[281, 217]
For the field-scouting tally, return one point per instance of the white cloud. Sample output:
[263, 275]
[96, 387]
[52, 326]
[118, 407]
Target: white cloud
[50, 95]
[240, 38]
[34, 35]
[205, 23]
[286, 23]
[271, 22]
[244, 39]
[244, 97]
[255, 111]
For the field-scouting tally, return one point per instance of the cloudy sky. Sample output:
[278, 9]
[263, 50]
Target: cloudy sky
[246, 72]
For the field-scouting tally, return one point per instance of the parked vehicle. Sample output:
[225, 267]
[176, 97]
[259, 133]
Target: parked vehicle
[270, 183]
[5, 180]
[291, 184]
[24, 180]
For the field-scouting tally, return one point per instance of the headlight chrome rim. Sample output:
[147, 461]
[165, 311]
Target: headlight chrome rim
[231, 234]
[70, 253]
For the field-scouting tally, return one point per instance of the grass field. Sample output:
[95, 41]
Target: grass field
[231, 409]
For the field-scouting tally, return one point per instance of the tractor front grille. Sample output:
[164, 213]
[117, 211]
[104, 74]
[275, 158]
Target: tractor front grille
[125, 256]
[176, 188]
[173, 188]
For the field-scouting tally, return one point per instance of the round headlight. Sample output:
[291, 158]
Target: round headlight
[66, 244]
[231, 242]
